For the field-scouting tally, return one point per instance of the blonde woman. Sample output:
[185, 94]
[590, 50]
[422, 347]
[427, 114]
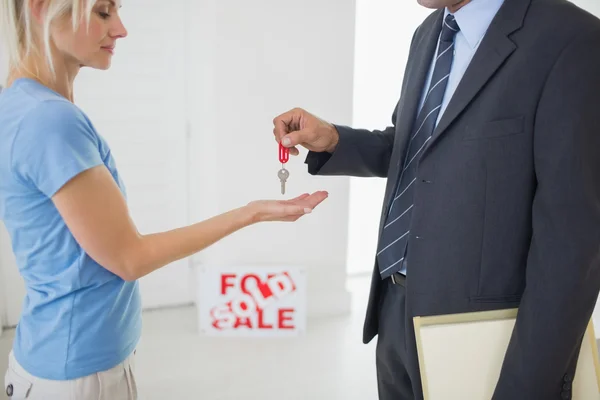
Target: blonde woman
[63, 202]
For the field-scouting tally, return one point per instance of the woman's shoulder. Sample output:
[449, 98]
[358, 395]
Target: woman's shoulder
[56, 119]
[38, 106]
[54, 112]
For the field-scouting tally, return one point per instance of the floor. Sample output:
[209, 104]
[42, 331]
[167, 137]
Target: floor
[330, 362]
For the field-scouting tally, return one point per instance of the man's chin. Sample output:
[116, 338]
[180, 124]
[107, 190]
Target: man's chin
[440, 4]
[428, 4]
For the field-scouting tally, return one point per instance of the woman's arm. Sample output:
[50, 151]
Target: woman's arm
[97, 215]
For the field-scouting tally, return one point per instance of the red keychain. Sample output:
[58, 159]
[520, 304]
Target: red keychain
[283, 174]
[284, 154]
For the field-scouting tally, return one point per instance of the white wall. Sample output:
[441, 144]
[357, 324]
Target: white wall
[250, 62]
[592, 6]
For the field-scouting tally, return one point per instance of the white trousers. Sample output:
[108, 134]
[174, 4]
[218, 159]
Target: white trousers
[117, 383]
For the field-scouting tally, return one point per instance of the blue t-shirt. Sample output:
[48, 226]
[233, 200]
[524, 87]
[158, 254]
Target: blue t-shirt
[78, 318]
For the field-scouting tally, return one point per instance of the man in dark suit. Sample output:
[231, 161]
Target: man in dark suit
[493, 187]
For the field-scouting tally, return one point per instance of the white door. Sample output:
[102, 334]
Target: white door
[139, 107]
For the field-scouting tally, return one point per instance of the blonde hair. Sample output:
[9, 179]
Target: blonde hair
[16, 27]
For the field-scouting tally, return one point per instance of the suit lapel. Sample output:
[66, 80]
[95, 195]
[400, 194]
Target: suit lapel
[484, 65]
[494, 50]
[416, 74]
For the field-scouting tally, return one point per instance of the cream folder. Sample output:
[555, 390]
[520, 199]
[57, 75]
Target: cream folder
[460, 356]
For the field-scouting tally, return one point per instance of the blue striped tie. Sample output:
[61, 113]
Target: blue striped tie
[394, 238]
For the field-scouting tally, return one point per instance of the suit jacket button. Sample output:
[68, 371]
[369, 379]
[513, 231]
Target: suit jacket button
[9, 390]
[566, 395]
[567, 386]
[568, 378]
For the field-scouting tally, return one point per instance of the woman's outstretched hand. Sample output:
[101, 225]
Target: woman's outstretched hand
[286, 210]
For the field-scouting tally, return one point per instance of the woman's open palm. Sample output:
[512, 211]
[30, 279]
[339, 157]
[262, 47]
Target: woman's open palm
[287, 210]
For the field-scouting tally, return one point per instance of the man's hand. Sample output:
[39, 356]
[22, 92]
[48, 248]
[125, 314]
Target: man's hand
[298, 127]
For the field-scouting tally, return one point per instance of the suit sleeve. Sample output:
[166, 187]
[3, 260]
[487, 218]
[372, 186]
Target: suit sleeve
[563, 268]
[359, 153]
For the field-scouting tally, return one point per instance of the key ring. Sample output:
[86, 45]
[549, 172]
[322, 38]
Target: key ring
[284, 154]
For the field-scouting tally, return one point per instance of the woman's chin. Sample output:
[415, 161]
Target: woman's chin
[104, 67]
[100, 64]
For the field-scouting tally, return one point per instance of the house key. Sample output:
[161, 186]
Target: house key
[283, 174]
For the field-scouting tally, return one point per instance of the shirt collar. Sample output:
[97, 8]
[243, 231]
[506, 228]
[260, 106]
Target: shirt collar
[475, 18]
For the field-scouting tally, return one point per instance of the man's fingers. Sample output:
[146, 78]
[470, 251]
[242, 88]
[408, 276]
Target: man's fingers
[280, 129]
[293, 150]
[277, 135]
[286, 122]
[287, 130]
[295, 138]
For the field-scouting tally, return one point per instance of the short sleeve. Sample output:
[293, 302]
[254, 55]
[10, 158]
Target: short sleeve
[55, 143]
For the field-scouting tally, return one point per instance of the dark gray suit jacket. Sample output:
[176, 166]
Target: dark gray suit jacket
[507, 202]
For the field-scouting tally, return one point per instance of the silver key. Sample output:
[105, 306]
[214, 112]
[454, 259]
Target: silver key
[283, 175]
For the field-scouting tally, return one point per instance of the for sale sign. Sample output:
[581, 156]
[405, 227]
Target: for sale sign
[252, 301]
